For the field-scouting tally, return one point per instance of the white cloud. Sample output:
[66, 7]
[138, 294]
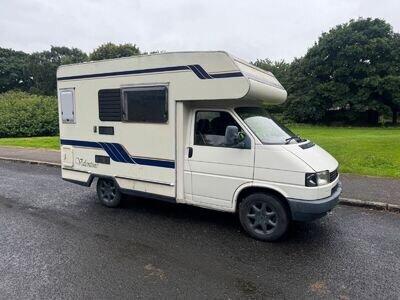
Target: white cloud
[249, 29]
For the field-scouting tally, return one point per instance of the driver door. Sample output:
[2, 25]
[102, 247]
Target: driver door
[217, 166]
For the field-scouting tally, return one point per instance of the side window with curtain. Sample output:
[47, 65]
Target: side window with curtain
[145, 104]
[219, 129]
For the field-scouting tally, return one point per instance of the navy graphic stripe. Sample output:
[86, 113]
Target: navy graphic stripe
[81, 143]
[197, 69]
[109, 152]
[123, 153]
[116, 153]
[155, 163]
[227, 75]
[119, 154]
[131, 72]
[202, 71]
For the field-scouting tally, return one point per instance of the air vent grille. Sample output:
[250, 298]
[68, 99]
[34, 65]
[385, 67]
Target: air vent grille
[110, 105]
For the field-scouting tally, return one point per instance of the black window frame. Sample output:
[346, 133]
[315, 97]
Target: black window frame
[124, 103]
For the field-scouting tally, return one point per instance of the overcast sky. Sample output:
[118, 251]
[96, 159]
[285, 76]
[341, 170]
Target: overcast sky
[249, 29]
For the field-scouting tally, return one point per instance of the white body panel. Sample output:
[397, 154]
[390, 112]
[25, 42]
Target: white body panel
[153, 158]
[278, 168]
[316, 157]
[217, 172]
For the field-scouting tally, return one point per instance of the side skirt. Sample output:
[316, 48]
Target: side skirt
[82, 183]
[148, 195]
[124, 191]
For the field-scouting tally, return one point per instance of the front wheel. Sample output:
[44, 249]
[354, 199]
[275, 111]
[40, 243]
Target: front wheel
[108, 192]
[264, 217]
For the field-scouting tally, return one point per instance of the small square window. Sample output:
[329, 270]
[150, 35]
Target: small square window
[67, 102]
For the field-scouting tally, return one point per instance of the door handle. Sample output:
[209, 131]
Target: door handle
[190, 152]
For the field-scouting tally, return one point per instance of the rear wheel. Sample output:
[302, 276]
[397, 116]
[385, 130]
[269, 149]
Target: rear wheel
[264, 217]
[108, 192]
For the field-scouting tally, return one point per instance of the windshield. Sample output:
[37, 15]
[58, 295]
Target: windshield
[265, 127]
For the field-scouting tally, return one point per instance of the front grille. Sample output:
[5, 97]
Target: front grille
[334, 189]
[333, 175]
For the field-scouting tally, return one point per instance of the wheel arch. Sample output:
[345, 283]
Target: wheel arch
[248, 189]
[97, 176]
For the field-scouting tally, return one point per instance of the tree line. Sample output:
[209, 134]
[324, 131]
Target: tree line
[36, 72]
[351, 75]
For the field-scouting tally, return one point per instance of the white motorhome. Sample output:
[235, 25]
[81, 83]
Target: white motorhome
[190, 128]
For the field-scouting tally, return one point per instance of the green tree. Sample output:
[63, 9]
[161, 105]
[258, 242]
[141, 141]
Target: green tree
[355, 65]
[13, 72]
[390, 92]
[304, 104]
[280, 69]
[111, 50]
[43, 67]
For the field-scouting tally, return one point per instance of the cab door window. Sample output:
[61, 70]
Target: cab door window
[219, 129]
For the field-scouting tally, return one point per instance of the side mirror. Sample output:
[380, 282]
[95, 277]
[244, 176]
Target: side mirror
[231, 135]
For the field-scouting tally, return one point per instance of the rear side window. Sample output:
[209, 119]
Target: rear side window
[145, 104]
[110, 105]
[67, 102]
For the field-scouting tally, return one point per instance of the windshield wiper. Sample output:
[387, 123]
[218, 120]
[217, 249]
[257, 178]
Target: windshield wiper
[296, 137]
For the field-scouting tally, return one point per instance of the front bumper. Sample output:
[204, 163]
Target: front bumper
[309, 210]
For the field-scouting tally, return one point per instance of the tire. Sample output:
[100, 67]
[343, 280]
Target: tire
[108, 192]
[264, 217]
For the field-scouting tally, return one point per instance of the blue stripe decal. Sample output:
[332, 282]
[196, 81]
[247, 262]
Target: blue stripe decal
[81, 143]
[196, 69]
[202, 71]
[109, 151]
[119, 154]
[227, 75]
[126, 156]
[154, 163]
[122, 153]
[132, 72]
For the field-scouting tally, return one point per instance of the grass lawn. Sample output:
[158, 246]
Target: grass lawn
[51, 142]
[365, 151]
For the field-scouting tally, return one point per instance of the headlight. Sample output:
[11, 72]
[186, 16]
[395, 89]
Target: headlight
[311, 179]
[323, 177]
[316, 179]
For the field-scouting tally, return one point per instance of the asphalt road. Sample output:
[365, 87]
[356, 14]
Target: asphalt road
[57, 241]
[367, 188]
